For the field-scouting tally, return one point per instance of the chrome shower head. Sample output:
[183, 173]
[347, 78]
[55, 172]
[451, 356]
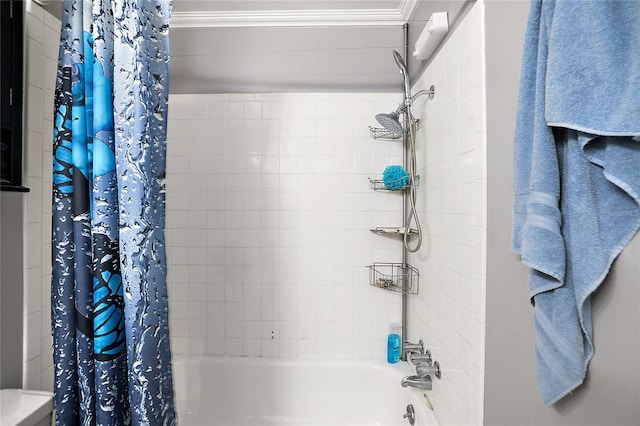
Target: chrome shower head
[400, 62]
[391, 122]
[403, 70]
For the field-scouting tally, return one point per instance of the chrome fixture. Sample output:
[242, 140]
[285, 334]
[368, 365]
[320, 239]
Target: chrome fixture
[432, 369]
[407, 130]
[417, 381]
[408, 347]
[410, 415]
[425, 366]
[431, 92]
[419, 359]
[403, 70]
[391, 121]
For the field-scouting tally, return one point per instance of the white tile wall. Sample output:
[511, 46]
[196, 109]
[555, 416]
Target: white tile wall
[449, 311]
[41, 55]
[268, 217]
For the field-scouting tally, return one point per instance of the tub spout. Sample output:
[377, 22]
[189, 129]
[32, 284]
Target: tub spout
[420, 382]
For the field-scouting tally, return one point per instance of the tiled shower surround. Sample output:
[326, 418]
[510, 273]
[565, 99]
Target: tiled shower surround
[268, 215]
[449, 312]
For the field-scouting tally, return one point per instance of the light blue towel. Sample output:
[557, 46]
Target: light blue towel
[577, 171]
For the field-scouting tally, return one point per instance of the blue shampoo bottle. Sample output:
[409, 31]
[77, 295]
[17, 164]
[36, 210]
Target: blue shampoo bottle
[393, 344]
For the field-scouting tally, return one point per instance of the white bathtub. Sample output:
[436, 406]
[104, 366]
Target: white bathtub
[264, 391]
[19, 407]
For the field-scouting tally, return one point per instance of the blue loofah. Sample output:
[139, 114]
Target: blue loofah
[395, 177]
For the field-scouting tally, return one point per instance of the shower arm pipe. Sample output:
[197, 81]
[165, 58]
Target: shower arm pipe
[404, 106]
[431, 91]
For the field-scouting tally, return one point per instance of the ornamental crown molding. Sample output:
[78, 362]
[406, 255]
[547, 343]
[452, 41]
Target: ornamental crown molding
[295, 18]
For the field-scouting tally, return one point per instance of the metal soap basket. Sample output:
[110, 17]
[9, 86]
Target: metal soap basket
[380, 185]
[394, 277]
[384, 134]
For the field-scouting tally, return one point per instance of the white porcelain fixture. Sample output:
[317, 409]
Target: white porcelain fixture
[431, 36]
[25, 408]
[265, 391]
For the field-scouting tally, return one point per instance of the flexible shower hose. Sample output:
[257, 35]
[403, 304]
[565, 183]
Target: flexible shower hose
[412, 216]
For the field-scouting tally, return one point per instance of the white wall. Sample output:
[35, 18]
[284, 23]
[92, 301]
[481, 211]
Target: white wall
[268, 217]
[41, 55]
[449, 311]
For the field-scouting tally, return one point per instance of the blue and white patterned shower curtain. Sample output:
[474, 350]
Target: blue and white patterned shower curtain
[109, 299]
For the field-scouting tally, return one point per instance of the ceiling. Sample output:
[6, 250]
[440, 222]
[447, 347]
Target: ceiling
[242, 46]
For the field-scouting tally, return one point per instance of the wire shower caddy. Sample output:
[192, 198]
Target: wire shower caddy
[383, 134]
[396, 277]
[380, 185]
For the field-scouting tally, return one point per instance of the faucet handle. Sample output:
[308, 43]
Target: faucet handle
[429, 370]
[420, 359]
[436, 370]
[409, 347]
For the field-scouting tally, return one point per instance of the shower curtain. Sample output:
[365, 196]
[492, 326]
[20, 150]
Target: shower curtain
[109, 308]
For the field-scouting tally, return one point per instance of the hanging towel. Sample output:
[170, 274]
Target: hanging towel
[576, 171]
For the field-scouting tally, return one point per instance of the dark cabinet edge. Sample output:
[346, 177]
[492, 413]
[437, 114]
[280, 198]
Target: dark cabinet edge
[14, 188]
